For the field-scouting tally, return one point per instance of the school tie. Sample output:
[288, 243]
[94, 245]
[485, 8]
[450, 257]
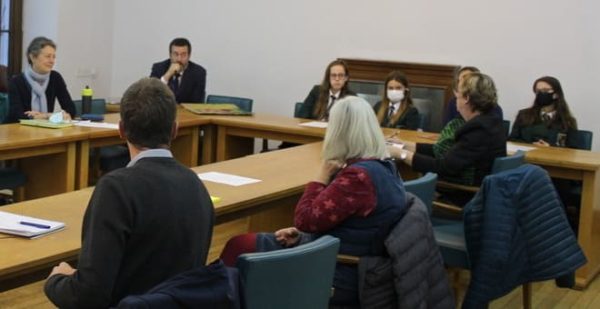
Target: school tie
[333, 98]
[391, 111]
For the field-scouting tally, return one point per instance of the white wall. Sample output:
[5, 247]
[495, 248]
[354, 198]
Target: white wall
[83, 32]
[274, 51]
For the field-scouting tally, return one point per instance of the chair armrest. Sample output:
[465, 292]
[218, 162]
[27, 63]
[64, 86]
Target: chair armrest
[450, 185]
[347, 259]
[445, 206]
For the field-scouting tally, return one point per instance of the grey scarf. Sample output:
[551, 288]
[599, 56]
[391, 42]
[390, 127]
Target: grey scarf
[38, 83]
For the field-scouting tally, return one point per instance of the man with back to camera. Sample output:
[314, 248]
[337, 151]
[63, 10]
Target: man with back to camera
[144, 223]
[186, 79]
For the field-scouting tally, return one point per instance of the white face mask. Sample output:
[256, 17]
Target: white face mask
[395, 96]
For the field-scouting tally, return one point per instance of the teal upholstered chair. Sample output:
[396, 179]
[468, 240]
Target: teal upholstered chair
[500, 164]
[299, 277]
[452, 240]
[297, 109]
[98, 107]
[584, 139]
[423, 188]
[244, 104]
[506, 125]
[423, 121]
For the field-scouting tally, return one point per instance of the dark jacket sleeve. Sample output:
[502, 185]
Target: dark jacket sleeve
[17, 98]
[468, 147]
[62, 94]
[410, 120]
[309, 103]
[376, 107]
[515, 132]
[199, 90]
[105, 228]
[158, 70]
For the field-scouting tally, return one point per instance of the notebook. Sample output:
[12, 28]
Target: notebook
[45, 123]
[27, 226]
[215, 109]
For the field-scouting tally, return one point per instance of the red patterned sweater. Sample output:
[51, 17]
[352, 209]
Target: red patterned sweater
[323, 207]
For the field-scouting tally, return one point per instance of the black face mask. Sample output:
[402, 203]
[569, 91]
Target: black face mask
[544, 99]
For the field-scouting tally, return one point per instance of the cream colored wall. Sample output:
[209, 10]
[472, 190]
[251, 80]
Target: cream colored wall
[274, 51]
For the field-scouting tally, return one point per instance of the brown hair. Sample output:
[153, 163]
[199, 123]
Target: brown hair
[385, 102]
[321, 106]
[148, 110]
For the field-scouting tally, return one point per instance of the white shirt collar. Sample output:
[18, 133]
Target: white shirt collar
[151, 153]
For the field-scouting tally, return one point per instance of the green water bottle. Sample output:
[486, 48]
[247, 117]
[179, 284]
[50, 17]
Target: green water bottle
[86, 100]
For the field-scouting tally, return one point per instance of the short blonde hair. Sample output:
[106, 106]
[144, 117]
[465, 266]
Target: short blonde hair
[353, 132]
[481, 90]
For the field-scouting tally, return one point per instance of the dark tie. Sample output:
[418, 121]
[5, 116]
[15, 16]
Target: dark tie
[174, 83]
[391, 111]
[333, 98]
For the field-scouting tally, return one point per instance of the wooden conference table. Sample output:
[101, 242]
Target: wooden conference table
[233, 135]
[57, 160]
[269, 204]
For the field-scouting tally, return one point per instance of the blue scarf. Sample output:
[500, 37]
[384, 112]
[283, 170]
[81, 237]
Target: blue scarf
[38, 83]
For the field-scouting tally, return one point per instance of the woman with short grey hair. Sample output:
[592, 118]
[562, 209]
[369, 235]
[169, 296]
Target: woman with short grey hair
[32, 94]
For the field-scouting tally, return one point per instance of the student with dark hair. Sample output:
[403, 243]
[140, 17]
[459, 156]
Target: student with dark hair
[186, 79]
[396, 109]
[144, 223]
[322, 97]
[548, 122]
[33, 92]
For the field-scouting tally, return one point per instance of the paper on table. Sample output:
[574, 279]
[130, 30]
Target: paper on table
[228, 179]
[512, 148]
[103, 125]
[314, 124]
[12, 224]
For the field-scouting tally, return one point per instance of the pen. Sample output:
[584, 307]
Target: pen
[39, 226]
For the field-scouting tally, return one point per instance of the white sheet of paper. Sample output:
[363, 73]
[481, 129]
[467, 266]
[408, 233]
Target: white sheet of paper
[228, 179]
[314, 124]
[512, 148]
[103, 125]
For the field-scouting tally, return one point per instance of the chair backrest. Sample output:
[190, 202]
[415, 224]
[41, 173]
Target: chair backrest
[3, 106]
[506, 125]
[244, 104]
[584, 138]
[423, 121]
[299, 277]
[509, 162]
[423, 188]
[297, 109]
[98, 107]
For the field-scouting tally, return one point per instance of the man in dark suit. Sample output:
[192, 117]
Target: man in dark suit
[186, 79]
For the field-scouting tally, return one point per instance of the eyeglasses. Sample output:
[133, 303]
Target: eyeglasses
[337, 76]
